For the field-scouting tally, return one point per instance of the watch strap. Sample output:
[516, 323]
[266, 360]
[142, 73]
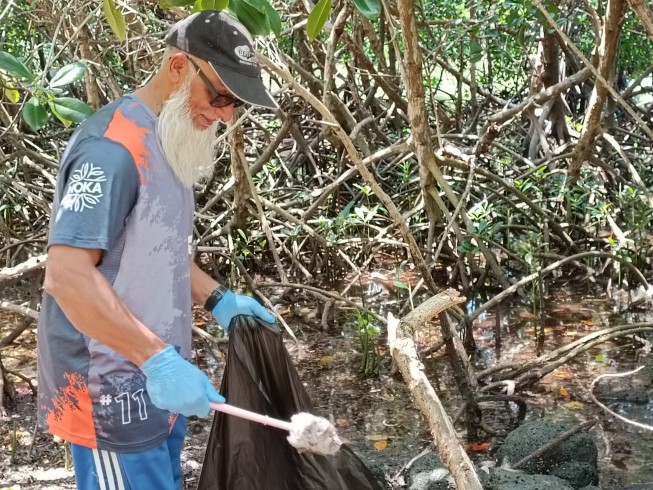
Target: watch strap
[215, 298]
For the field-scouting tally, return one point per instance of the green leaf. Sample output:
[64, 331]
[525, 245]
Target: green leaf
[369, 8]
[521, 35]
[210, 5]
[256, 23]
[35, 114]
[66, 122]
[317, 18]
[259, 5]
[115, 19]
[11, 94]
[274, 19]
[72, 109]
[14, 66]
[600, 357]
[68, 74]
[475, 52]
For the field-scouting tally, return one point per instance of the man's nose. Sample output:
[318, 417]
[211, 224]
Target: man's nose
[225, 114]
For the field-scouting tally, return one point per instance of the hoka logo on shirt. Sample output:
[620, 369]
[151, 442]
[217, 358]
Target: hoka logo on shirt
[84, 189]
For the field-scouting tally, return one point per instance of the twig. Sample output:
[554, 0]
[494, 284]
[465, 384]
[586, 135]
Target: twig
[23, 310]
[208, 336]
[23, 378]
[612, 412]
[322, 292]
[522, 374]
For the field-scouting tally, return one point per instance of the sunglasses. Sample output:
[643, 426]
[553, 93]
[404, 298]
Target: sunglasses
[218, 100]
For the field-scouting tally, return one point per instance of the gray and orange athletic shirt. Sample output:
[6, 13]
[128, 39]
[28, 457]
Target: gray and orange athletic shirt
[116, 192]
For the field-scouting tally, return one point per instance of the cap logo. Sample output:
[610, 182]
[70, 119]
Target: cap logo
[246, 55]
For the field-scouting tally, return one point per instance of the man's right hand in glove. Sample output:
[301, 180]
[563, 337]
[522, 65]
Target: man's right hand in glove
[174, 384]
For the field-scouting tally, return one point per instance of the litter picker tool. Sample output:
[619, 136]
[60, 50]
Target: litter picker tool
[307, 432]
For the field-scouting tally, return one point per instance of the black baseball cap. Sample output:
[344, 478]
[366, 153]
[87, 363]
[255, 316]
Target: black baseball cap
[224, 43]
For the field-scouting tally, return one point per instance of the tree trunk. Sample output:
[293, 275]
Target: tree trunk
[474, 41]
[429, 169]
[7, 391]
[412, 75]
[546, 73]
[242, 192]
[610, 35]
[645, 14]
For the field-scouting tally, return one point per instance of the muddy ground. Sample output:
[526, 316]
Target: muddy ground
[375, 415]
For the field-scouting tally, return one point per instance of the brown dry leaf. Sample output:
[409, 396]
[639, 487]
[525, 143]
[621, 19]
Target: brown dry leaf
[564, 393]
[325, 361]
[381, 445]
[562, 374]
[388, 397]
[342, 422]
[574, 405]
[587, 322]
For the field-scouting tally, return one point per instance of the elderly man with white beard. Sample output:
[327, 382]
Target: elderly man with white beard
[114, 334]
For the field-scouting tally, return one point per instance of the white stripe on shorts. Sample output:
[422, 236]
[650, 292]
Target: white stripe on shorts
[117, 470]
[108, 470]
[98, 468]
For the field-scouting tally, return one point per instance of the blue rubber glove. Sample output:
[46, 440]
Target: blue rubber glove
[231, 305]
[174, 384]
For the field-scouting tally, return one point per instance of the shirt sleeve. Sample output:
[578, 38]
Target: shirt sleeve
[98, 187]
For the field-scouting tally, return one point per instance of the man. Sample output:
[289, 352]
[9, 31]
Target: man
[115, 328]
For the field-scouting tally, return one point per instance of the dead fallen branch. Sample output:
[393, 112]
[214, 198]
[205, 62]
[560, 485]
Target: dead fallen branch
[11, 275]
[404, 353]
[518, 376]
[23, 310]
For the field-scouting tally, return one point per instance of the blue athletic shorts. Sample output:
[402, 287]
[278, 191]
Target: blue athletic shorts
[158, 468]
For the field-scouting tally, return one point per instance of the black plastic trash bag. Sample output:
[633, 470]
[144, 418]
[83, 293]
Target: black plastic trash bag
[243, 455]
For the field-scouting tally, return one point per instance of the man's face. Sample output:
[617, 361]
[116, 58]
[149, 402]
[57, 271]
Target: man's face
[206, 93]
[187, 131]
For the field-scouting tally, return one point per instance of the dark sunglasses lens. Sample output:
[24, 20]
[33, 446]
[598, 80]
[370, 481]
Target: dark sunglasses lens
[221, 101]
[225, 100]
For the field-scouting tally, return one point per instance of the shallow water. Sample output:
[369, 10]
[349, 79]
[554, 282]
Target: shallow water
[381, 410]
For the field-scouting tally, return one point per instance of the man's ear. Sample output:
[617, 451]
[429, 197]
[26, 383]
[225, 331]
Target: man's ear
[177, 68]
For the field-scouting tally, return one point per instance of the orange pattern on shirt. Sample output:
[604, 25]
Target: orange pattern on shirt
[72, 415]
[123, 130]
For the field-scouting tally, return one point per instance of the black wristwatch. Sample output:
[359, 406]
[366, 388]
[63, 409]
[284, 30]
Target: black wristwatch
[215, 298]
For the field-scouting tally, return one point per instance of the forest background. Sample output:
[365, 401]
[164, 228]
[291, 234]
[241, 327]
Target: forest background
[498, 149]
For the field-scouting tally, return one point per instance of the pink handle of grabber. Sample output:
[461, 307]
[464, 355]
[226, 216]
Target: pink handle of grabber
[253, 416]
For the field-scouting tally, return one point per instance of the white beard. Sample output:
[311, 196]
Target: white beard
[189, 151]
